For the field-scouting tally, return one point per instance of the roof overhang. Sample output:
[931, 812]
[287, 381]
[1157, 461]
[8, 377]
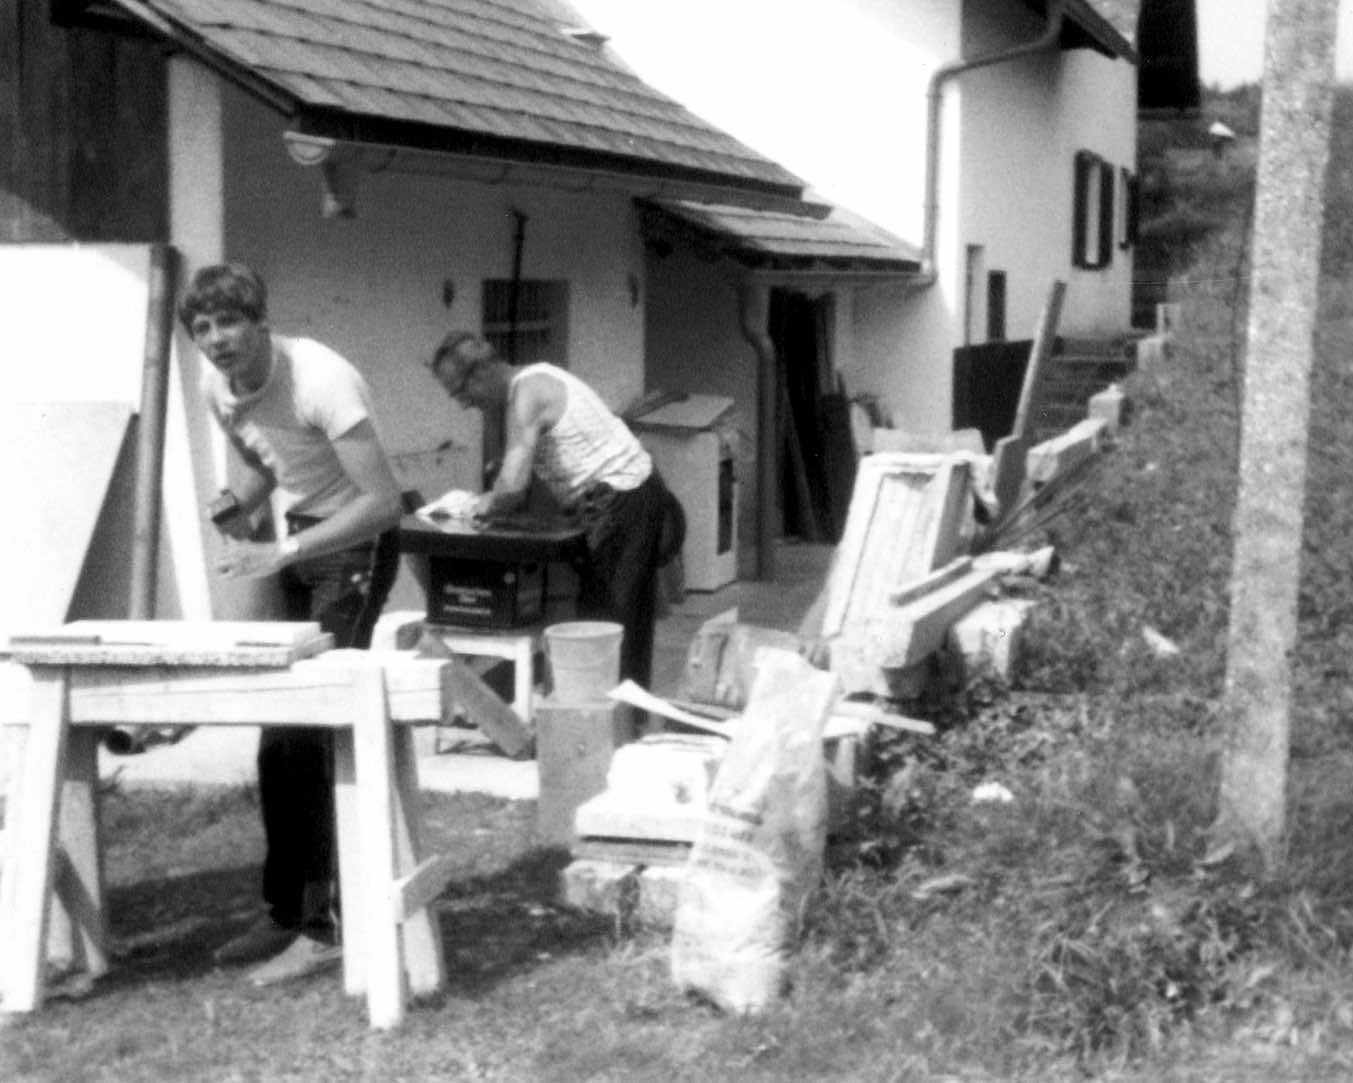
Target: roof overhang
[487, 167]
[812, 244]
[437, 150]
[1085, 28]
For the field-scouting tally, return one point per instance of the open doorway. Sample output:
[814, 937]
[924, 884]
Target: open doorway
[814, 444]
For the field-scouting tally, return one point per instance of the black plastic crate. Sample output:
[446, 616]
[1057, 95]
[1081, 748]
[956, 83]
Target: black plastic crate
[485, 594]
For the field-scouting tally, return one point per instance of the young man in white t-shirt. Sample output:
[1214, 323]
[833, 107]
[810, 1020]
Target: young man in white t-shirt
[299, 418]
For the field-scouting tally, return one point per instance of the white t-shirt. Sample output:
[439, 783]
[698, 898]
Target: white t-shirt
[312, 397]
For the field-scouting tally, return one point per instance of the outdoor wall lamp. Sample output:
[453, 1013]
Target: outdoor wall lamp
[338, 164]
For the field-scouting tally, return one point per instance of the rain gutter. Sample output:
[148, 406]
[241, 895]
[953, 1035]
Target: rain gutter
[1047, 40]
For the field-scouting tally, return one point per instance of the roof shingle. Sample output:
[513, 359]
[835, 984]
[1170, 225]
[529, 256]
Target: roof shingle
[501, 68]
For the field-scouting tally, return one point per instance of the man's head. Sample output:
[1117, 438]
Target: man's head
[223, 287]
[466, 365]
[225, 310]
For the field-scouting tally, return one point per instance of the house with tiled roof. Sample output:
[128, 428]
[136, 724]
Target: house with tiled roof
[396, 169]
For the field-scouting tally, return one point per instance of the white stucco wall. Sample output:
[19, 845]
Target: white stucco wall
[1020, 125]
[371, 286]
[848, 82]
[835, 92]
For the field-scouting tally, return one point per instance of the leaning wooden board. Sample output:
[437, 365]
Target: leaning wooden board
[171, 643]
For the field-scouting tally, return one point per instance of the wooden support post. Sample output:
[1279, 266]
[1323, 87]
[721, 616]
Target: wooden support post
[753, 312]
[350, 888]
[26, 885]
[420, 934]
[380, 936]
[78, 930]
[1007, 465]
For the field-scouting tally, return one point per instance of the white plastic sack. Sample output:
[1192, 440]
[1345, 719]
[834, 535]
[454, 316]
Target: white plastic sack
[759, 849]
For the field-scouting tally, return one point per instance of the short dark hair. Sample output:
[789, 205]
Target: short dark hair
[465, 348]
[224, 287]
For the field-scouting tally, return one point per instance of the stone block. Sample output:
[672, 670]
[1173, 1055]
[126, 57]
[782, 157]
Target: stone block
[659, 893]
[987, 639]
[1111, 407]
[602, 887]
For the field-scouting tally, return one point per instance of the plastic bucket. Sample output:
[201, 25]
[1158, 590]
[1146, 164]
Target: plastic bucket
[584, 658]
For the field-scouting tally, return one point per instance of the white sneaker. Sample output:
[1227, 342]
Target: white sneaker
[304, 957]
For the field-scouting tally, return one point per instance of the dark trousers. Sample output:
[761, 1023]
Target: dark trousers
[344, 593]
[618, 581]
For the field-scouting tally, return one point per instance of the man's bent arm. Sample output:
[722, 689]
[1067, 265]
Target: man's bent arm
[536, 404]
[377, 505]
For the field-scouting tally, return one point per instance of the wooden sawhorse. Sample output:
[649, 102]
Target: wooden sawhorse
[392, 945]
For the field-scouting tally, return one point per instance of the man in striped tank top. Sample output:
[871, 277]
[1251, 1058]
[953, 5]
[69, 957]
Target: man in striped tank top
[559, 431]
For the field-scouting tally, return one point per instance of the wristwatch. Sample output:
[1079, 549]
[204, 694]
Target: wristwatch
[290, 548]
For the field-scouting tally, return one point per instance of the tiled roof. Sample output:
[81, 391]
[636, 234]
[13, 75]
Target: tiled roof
[478, 76]
[840, 240]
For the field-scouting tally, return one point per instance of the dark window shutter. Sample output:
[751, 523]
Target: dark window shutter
[1106, 185]
[1081, 207]
[1131, 209]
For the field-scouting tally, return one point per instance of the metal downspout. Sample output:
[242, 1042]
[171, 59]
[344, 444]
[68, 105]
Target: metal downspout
[935, 100]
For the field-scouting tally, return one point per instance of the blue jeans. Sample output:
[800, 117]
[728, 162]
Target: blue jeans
[344, 593]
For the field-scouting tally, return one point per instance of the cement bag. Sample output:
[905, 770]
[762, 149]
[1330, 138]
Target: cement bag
[758, 852]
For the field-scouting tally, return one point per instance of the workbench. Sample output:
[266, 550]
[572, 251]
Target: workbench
[95, 674]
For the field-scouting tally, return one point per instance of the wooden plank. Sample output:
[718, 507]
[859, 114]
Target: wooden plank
[969, 440]
[1008, 456]
[949, 503]
[480, 703]
[415, 891]
[901, 636]
[798, 469]
[632, 851]
[877, 716]
[170, 643]
[1052, 458]
[936, 579]
[312, 692]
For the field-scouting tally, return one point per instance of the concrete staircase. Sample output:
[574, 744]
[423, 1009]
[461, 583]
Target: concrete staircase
[1080, 367]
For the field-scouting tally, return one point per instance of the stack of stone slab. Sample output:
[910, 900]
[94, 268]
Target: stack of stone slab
[631, 841]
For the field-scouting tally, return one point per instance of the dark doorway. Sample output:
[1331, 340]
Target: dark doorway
[816, 451]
